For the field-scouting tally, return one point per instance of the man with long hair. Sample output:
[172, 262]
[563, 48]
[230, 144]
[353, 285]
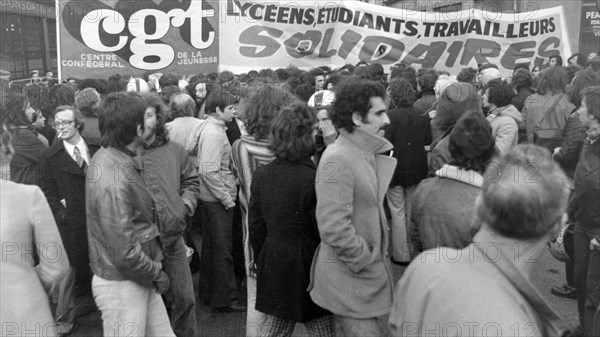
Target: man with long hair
[170, 174]
[126, 253]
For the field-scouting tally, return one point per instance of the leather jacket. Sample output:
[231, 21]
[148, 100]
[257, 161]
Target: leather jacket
[123, 236]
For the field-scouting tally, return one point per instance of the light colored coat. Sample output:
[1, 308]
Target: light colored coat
[470, 291]
[351, 274]
[505, 122]
[217, 182]
[27, 227]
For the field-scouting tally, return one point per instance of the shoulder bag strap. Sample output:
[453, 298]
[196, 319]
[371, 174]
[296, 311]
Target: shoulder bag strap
[549, 110]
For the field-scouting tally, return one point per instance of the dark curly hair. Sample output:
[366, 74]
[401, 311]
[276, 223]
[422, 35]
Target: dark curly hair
[353, 95]
[401, 93]
[471, 143]
[426, 80]
[292, 133]
[467, 75]
[97, 84]
[14, 110]
[260, 104]
[500, 93]
[521, 79]
[168, 80]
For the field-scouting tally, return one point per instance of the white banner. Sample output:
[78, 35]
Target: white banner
[256, 35]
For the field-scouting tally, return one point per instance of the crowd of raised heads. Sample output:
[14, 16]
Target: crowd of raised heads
[278, 177]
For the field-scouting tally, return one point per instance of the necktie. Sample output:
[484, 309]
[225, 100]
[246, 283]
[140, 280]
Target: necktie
[79, 159]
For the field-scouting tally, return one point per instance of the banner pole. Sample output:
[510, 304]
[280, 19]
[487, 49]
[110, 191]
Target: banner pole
[58, 18]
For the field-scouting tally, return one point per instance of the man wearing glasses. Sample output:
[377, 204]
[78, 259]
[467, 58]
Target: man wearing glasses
[62, 178]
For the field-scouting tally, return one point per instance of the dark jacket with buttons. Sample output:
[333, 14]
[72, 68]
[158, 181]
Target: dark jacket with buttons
[409, 132]
[63, 183]
[284, 236]
[122, 232]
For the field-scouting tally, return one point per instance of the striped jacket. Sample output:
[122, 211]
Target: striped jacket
[248, 153]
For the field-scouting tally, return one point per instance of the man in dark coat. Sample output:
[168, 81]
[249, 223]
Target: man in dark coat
[62, 178]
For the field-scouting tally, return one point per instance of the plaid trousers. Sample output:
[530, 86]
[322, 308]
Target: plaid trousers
[277, 327]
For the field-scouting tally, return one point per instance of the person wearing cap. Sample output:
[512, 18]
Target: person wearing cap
[326, 133]
[442, 208]
[486, 286]
[352, 275]
[456, 100]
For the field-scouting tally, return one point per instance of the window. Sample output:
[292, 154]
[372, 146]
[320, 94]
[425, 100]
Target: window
[22, 49]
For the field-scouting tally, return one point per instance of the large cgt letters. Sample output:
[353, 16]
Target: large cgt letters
[148, 56]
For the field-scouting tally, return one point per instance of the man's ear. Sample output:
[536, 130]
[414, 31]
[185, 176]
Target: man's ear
[356, 119]
[140, 131]
[219, 111]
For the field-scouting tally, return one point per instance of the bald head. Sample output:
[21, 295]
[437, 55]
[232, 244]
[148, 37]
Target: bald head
[524, 194]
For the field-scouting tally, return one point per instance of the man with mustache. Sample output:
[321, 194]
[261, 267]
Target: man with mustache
[172, 178]
[352, 276]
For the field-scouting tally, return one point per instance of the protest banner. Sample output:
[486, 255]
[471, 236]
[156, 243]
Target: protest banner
[333, 33]
[98, 38]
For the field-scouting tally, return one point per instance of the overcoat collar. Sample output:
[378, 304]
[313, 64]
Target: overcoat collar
[507, 267]
[368, 142]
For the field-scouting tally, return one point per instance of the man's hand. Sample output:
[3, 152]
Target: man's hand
[161, 282]
[230, 206]
[595, 244]
[556, 150]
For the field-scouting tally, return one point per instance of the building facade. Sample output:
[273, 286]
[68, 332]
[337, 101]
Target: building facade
[28, 35]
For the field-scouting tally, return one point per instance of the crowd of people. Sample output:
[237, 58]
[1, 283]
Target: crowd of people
[283, 182]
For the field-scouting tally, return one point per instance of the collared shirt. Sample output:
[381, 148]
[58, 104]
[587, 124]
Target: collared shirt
[70, 148]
